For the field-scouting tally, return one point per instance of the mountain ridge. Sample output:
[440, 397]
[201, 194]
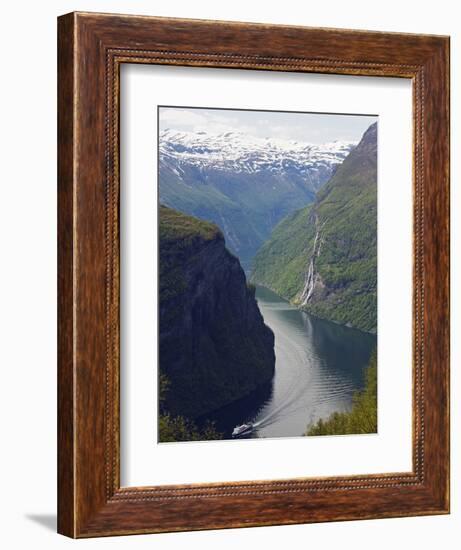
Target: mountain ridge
[237, 151]
[323, 257]
[245, 185]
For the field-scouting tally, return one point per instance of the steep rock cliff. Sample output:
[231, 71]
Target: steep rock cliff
[214, 345]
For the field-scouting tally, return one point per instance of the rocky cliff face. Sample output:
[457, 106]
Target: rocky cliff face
[214, 345]
[324, 257]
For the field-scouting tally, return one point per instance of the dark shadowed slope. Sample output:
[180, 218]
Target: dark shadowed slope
[214, 345]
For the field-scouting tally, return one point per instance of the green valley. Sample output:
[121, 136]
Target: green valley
[323, 257]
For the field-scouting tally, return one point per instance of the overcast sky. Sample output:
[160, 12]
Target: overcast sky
[308, 127]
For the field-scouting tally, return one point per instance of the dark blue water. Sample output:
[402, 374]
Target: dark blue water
[318, 367]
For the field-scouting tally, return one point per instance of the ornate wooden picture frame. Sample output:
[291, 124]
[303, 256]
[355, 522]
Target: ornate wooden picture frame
[92, 47]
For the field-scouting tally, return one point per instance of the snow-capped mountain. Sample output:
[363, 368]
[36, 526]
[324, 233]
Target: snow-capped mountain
[244, 184]
[237, 152]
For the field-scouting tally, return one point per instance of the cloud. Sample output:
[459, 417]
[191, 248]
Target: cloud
[198, 120]
[304, 127]
[181, 118]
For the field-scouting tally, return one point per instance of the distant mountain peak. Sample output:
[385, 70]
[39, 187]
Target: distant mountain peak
[237, 151]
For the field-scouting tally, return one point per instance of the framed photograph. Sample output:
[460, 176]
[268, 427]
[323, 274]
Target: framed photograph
[253, 275]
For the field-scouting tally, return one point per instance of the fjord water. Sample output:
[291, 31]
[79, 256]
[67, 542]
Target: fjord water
[319, 365]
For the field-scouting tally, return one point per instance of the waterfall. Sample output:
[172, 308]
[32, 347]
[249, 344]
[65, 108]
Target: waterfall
[311, 276]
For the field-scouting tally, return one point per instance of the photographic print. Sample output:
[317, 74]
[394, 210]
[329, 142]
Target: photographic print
[267, 234]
